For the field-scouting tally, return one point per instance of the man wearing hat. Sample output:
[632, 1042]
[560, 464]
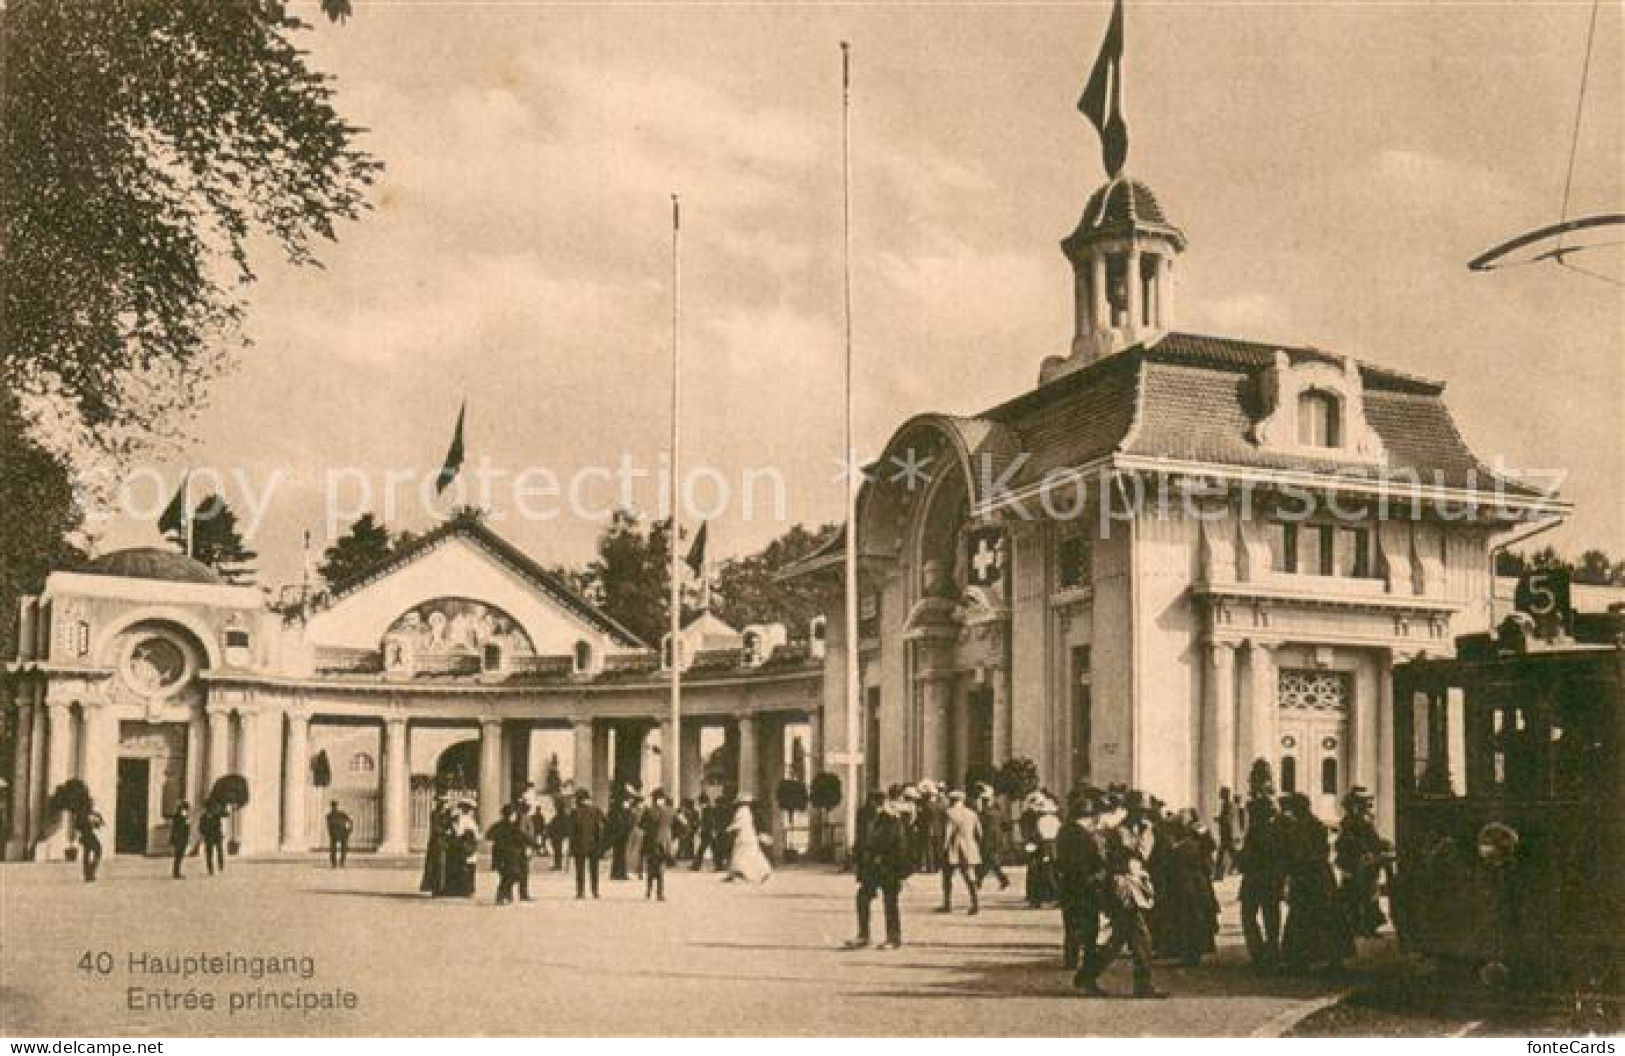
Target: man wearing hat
[1130, 896]
[883, 861]
[1080, 874]
[961, 850]
[586, 842]
[1358, 855]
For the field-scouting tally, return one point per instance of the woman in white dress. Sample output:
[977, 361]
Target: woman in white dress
[745, 858]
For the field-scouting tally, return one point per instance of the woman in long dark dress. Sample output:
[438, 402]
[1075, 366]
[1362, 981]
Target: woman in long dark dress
[462, 845]
[1314, 934]
[433, 881]
[1193, 911]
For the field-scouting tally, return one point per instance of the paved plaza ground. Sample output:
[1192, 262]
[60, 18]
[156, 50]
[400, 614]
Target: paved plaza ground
[715, 959]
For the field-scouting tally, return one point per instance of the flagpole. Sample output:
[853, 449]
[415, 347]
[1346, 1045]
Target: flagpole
[854, 741]
[674, 751]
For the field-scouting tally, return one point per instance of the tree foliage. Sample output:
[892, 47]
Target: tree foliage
[825, 793]
[629, 577]
[1594, 567]
[34, 480]
[365, 544]
[748, 589]
[143, 146]
[216, 541]
[1018, 778]
[230, 790]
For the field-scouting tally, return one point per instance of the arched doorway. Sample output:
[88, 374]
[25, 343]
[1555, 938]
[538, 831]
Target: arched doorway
[457, 771]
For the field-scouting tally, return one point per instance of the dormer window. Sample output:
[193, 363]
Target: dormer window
[1319, 419]
[583, 658]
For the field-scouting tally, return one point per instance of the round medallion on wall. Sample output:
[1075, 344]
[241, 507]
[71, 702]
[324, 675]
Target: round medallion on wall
[1329, 744]
[1289, 742]
[155, 665]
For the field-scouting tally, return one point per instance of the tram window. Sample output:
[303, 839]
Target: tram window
[1440, 740]
[1328, 776]
[1289, 774]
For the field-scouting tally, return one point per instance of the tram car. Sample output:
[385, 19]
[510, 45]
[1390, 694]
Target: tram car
[1509, 814]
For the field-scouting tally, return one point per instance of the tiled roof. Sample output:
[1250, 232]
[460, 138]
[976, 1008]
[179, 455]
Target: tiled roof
[1190, 397]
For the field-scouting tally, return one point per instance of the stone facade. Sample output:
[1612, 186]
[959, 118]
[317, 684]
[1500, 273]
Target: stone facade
[459, 661]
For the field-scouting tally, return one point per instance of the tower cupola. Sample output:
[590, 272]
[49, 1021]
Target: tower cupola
[1122, 255]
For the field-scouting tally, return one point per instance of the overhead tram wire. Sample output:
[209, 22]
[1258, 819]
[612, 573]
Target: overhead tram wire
[1579, 115]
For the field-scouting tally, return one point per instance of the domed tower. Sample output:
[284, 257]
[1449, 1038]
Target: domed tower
[1122, 256]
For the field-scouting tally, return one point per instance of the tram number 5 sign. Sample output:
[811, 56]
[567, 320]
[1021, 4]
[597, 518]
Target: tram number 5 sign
[1544, 595]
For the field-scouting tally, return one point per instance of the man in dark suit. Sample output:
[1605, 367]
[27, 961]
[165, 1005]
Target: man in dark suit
[658, 843]
[510, 853]
[339, 827]
[707, 834]
[529, 826]
[180, 835]
[211, 829]
[586, 842]
[884, 858]
[1080, 874]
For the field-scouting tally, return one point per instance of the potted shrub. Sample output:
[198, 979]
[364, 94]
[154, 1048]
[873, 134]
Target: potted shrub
[824, 796]
[231, 792]
[72, 798]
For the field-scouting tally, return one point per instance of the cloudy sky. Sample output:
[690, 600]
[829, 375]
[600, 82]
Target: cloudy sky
[1334, 165]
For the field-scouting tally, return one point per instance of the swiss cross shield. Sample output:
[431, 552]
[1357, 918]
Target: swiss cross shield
[985, 558]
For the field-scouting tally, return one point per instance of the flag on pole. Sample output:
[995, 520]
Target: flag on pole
[175, 515]
[696, 551]
[1102, 99]
[454, 455]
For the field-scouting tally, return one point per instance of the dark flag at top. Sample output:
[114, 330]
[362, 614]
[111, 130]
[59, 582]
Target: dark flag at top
[173, 519]
[454, 455]
[696, 552]
[1102, 99]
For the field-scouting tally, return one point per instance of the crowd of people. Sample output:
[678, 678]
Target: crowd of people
[1125, 860]
[642, 836]
[1127, 872]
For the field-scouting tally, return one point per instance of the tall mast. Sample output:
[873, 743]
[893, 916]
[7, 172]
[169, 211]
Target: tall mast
[854, 739]
[673, 751]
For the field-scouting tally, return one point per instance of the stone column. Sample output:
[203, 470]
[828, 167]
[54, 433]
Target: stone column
[936, 692]
[1366, 705]
[582, 773]
[37, 788]
[58, 764]
[1384, 789]
[295, 782]
[491, 797]
[396, 837]
[602, 768]
[1001, 714]
[688, 743]
[1219, 752]
[670, 757]
[98, 763]
[1131, 281]
[197, 737]
[254, 835]
[219, 750]
[959, 754]
[1165, 294]
[750, 763]
[22, 777]
[1100, 307]
[1262, 705]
